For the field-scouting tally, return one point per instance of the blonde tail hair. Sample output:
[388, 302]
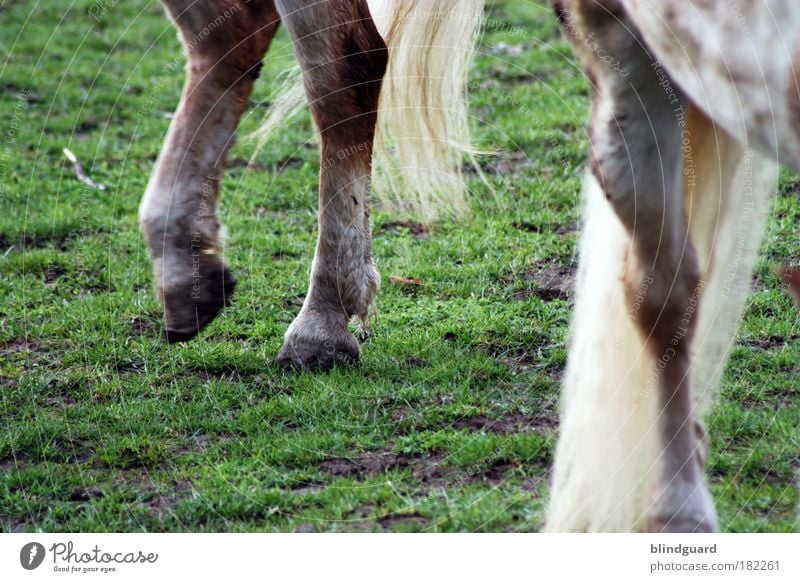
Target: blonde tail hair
[607, 457]
[423, 126]
[422, 136]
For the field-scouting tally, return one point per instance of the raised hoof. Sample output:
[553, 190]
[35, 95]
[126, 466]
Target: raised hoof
[188, 310]
[311, 346]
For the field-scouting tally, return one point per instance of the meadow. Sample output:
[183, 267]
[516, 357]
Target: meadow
[448, 423]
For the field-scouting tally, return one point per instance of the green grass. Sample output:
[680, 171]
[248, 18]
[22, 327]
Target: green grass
[449, 422]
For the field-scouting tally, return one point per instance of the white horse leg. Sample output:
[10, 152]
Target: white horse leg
[642, 439]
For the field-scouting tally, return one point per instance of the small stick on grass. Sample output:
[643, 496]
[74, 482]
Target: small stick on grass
[80, 173]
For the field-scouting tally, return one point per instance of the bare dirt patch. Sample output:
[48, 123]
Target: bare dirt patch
[418, 230]
[52, 274]
[503, 164]
[21, 345]
[18, 242]
[157, 498]
[160, 506]
[775, 342]
[140, 325]
[526, 226]
[295, 301]
[393, 521]
[550, 282]
[512, 423]
[566, 229]
[85, 493]
[430, 470]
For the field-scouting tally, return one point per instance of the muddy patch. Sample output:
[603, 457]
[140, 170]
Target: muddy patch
[396, 520]
[22, 241]
[52, 274]
[162, 505]
[510, 423]
[370, 464]
[21, 347]
[418, 230]
[567, 229]
[294, 301]
[371, 518]
[775, 342]
[198, 443]
[239, 163]
[141, 326]
[60, 401]
[550, 282]
[158, 499]
[415, 362]
[526, 226]
[87, 126]
[10, 465]
[286, 255]
[85, 493]
[429, 470]
[502, 164]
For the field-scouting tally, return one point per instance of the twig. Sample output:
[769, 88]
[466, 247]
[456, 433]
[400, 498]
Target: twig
[80, 173]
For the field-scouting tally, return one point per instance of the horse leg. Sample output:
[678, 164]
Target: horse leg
[343, 59]
[636, 158]
[224, 41]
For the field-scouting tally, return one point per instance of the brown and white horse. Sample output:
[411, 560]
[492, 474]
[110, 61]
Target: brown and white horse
[690, 113]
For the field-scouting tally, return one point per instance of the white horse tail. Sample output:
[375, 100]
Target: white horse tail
[727, 217]
[607, 458]
[423, 130]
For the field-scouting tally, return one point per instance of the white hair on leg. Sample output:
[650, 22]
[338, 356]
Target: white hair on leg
[608, 435]
[607, 456]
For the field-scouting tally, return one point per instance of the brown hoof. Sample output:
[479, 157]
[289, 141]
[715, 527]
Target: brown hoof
[313, 343]
[683, 508]
[190, 309]
[680, 524]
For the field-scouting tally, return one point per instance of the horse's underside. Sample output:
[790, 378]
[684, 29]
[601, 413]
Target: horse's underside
[688, 112]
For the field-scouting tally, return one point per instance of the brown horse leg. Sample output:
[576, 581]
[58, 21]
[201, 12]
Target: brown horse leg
[225, 41]
[343, 59]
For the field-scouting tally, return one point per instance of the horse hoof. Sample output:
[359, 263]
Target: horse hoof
[682, 524]
[189, 309]
[688, 510]
[313, 344]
